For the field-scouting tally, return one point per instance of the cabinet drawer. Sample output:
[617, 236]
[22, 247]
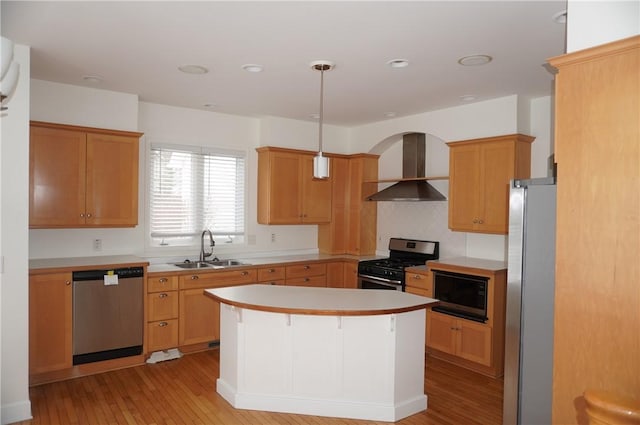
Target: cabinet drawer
[162, 305]
[420, 291]
[162, 283]
[273, 282]
[218, 279]
[306, 270]
[162, 335]
[420, 281]
[270, 273]
[308, 281]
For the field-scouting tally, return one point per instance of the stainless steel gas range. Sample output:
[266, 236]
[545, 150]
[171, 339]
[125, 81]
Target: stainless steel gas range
[388, 273]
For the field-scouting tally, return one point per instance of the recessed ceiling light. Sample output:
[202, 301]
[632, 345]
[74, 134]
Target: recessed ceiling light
[193, 69]
[398, 63]
[467, 98]
[560, 17]
[92, 78]
[252, 67]
[475, 60]
[389, 114]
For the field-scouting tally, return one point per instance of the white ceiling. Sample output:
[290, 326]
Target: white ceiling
[136, 47]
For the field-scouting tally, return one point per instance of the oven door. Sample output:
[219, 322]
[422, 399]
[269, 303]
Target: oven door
[370, 282]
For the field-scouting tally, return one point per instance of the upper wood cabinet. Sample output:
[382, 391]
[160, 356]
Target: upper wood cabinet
[82, 177]
[597, 148]
[479, 174]
[353, 219]
[287, 191]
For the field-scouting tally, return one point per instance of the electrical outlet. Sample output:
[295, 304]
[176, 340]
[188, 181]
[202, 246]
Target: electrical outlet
[97, 244]
[273, 237]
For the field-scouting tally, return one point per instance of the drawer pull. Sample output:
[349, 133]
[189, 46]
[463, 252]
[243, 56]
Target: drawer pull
[417, 276]
[163, 295]
[163, 280]
[307, 267]
[194, 277]
[306, 279]
[163, 324]
[272, 270]
[244, 273]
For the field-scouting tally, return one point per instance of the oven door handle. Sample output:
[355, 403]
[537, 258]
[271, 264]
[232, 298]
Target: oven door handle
[377, 279]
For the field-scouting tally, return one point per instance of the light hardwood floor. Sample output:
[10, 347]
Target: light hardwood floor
[182, 391]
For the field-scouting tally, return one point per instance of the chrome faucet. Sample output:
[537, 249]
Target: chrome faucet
[203, 254]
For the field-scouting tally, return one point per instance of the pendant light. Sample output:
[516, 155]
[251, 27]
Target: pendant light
[321, 163]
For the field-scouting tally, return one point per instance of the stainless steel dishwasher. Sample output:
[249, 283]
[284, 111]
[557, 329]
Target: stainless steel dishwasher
[107, 314]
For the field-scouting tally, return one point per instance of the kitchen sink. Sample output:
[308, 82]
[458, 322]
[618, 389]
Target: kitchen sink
[193, 265]
[216, 264]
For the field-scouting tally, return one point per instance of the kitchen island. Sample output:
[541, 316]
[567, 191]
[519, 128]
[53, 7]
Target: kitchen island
[348, 353]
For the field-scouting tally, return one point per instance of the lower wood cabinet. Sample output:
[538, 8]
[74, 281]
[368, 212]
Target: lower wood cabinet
[162, 312]
[199, 319]
[463, 338]
[271, 275]
[50, 322]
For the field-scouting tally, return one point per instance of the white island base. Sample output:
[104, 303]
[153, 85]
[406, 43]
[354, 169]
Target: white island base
[351, 366]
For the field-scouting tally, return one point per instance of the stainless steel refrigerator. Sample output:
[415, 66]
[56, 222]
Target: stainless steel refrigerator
[528, 373]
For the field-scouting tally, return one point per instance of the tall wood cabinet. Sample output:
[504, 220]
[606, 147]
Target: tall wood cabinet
[287, 191]
[352, 229]
[597, 149]
[50, 322]
[479, 175]
[82, 177]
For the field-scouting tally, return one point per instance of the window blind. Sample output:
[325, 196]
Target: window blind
[192, 189]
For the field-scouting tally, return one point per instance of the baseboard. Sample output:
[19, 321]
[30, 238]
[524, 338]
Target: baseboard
[16, 412]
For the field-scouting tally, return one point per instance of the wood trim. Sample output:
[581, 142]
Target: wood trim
[85, 129]
[507, 137]
[597, 52]
[313, 153]
[407, 180]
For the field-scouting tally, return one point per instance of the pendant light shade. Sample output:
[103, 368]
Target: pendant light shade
[9, 70]
[320, 162]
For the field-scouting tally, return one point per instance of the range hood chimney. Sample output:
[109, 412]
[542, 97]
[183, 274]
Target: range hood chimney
[413, 160]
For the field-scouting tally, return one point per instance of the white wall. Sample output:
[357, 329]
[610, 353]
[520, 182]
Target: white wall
[14, 279]
[592, 23]
[429, 220]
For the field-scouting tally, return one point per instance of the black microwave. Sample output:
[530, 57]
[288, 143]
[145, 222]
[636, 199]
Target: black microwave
[461, 295]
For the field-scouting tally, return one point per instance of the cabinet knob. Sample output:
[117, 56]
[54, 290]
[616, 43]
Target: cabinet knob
[417, 277]
[194, 277]
[272, 283]
[88, 215]
[163, 280]
[244, 273]
[163, 295]
[163, 324]
[82, 215]
[68, 282]
[307, 267]
[306, 279]
[272, 270]
[480, 221]
[475, 221]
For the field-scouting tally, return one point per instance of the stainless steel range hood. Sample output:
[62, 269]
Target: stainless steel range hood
[413, 167]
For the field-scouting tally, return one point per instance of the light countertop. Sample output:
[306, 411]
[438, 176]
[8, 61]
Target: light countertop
[50, 265]
[319, 301]
[470, 262]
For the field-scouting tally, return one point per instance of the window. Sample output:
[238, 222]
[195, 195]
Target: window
[192, 189]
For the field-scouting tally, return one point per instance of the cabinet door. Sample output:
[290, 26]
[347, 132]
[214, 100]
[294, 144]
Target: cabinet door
[464, 194]
[316, 194]
[441, 334]
[112, 180]
[335, 274]
[473, 341]
[350, 274]
[279, 188]
[199, 317]
[50, 326]
[497, 169]
[56, 177]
